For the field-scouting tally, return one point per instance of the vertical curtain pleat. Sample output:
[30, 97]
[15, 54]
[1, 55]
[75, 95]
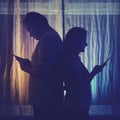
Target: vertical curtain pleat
[103, 33]
[6, 23]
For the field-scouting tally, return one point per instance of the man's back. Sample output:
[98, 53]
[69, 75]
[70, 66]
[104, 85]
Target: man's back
[46, 90]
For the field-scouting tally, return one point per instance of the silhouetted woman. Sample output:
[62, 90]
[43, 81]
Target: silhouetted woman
[76, 76]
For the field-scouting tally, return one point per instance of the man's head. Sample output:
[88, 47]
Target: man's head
[76, 39]
[35, 24]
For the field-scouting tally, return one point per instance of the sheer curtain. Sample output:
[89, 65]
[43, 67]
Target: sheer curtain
[99, 17]
[101, 20]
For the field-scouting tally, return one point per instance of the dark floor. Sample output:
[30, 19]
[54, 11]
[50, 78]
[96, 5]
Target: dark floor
[97, 112]
[31, 118]
[105, 117]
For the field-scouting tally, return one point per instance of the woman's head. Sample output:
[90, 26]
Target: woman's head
[35, 23]
[75, 40]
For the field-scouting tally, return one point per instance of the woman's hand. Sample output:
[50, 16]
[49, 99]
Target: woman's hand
[99, 68]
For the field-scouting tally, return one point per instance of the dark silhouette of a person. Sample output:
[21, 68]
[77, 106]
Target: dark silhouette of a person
[76, 76]
[46, 88]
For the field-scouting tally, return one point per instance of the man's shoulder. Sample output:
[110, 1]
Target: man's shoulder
[50, 35]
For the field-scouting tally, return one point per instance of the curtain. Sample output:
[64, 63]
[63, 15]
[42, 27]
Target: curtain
[99, 17]
[6, 28]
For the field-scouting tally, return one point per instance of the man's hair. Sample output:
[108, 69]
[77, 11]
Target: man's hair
[34, 18]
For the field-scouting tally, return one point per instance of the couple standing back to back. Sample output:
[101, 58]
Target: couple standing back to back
[53, 62]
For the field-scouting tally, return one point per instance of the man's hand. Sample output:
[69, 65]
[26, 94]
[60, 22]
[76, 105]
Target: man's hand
[24, 63]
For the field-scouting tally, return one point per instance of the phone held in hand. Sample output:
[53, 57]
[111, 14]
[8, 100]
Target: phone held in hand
[23, 60]
[106, 62]
[17, 58]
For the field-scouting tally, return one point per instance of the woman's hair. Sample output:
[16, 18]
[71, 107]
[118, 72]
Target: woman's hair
[35, 19]
[74, 36]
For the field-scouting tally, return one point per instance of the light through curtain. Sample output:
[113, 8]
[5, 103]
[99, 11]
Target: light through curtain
[101, 19]
[23, 45]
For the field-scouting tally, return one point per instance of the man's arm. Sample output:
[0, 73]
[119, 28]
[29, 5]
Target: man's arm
[26, 66]
[46, 59]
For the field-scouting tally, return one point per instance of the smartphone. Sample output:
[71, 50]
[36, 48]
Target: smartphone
[18, 58]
